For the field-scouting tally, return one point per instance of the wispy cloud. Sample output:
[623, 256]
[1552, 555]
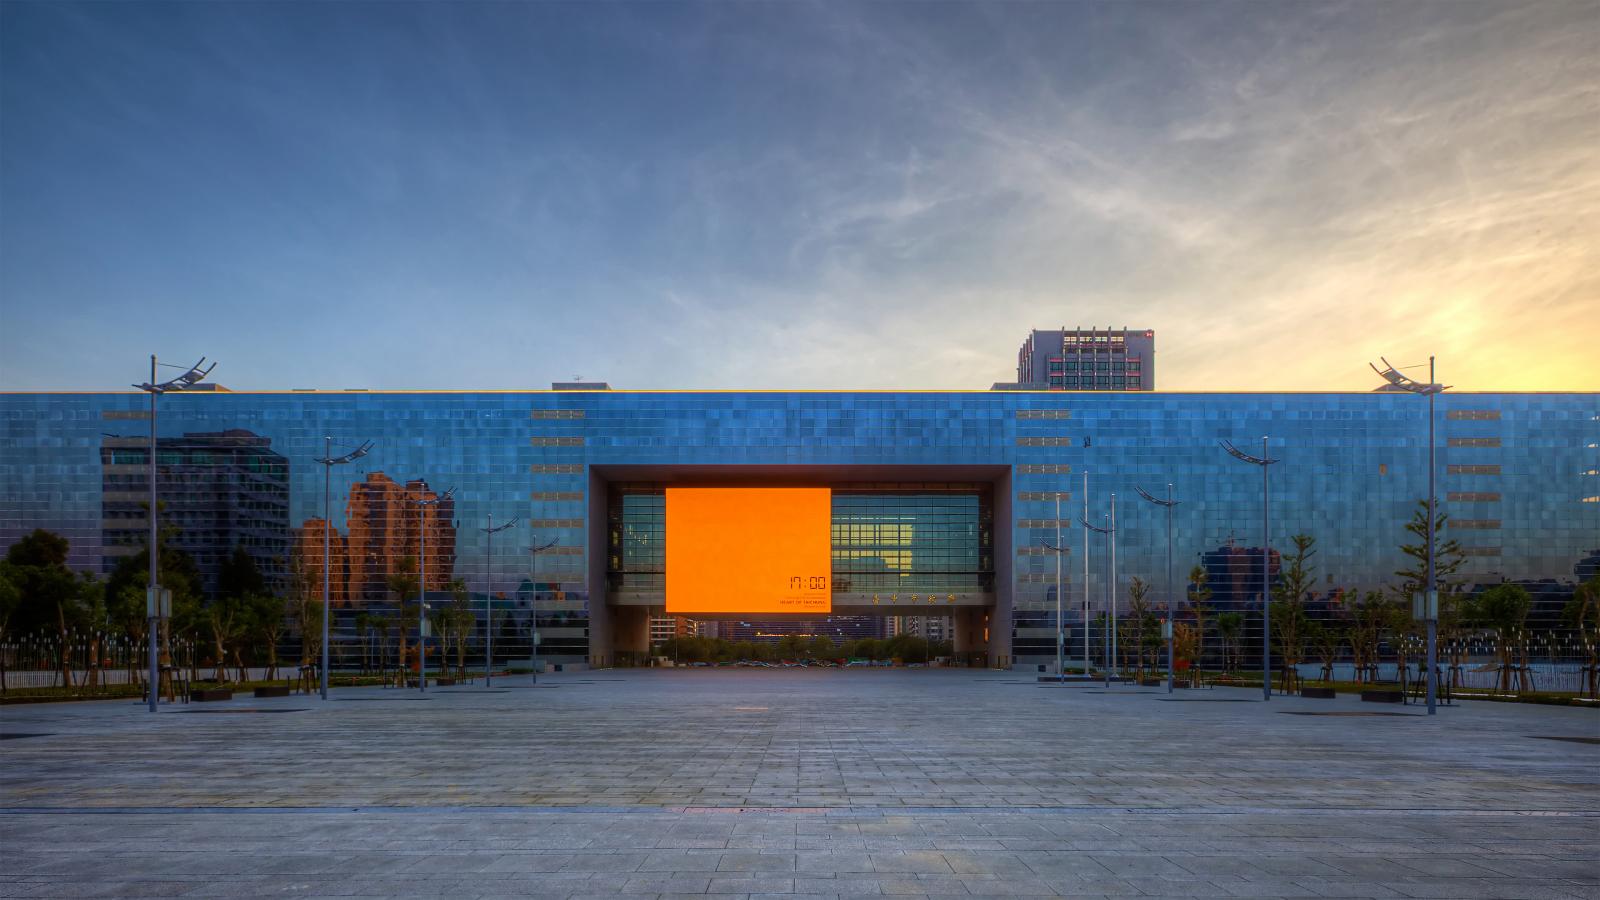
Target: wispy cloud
[815, 196]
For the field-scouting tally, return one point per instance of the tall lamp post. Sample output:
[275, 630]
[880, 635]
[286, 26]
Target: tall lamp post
[1168, 504]
[1058, 548]
[422, 584]
[1266, 559]
[1086, 527]
[533, 574]
[153, 605]
[328, 461]
[1111, 588]
[488, 599]
[1430, 588]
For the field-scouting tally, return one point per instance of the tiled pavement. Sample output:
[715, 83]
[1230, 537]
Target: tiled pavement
[831, 783]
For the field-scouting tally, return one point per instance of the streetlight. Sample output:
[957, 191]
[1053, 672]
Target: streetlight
[422, 584]
[153, 605]
[1430, 605]
[1168, 503]
[533, 575]
[328, 461]
[488, 600]
[1111, 587]
[1085, 521]
[1266, 557]
[1058, 548]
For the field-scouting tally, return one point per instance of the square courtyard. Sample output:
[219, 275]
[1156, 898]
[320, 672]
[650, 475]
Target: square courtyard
[818, 782]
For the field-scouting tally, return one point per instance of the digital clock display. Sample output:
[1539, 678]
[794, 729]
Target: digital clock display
[749, 550]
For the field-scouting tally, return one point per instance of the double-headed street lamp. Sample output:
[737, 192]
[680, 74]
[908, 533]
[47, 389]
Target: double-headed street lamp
[1111, 587]
[328, 461]
[153, 604]
[1430, 590]
[422, 584]
[533, 575]
[488, 600]
[1168, 504]
[1266, 559]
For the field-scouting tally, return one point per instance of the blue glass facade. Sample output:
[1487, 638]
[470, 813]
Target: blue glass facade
[1519, 475]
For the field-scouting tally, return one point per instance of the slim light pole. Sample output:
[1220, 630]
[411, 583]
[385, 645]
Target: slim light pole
[1430, 587]
[1058, 549]
[422, 585]
[1085, 521]
[533, 574]
[1110, 625]
[328, 461]
[488, 600]
[153, 605]
[1266, 559]
[1168, 504]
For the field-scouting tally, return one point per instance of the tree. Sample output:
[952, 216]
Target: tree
[48, 591]
[1294, 585]
[821, 647]
[363, 632]
[1447, 562]
[1140, 621]
[243, 611]
[1583, 612]
[1200, 605]
[177, 572]
[1185, 648]
[1326, 639]
[1230, 625]
[264, 617]
[1504, 608]
[461, 622]
[1369, 617]
[10, 599]
[402, 582]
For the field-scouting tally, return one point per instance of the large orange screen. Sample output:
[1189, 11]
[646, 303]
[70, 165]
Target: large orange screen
[749, 550]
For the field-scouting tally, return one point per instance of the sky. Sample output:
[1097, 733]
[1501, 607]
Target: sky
[796, 195]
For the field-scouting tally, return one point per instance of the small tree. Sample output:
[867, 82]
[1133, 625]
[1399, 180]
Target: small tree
[1583, 612]
[1230, 626]
[265, 621]
[1140, 622]
[10, 599]
[1504, 608]
[1368, 620]
[1289, 609]
[1326, 639]
[402, 582]
[1200, 605]
[1447, 562]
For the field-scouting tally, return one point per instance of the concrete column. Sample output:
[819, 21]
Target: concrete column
[1005, 558]
[600, 617]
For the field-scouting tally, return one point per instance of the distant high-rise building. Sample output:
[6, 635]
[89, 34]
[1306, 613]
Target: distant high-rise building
[1086, 359]
[308, 545]
[665, 628]
[218, 489]
[383, 523]
[930, 628]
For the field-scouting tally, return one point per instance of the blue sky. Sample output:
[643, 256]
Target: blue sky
[411, 195]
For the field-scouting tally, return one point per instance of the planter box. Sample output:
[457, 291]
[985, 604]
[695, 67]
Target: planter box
[272, 691]
[445, 682]
[1382, 696]
[203, 695]
[1320, 693]
[1152, 682]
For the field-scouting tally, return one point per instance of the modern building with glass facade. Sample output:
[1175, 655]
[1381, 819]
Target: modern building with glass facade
[944, 503]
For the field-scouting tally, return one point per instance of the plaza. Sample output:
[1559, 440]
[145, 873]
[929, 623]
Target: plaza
[739, 782]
